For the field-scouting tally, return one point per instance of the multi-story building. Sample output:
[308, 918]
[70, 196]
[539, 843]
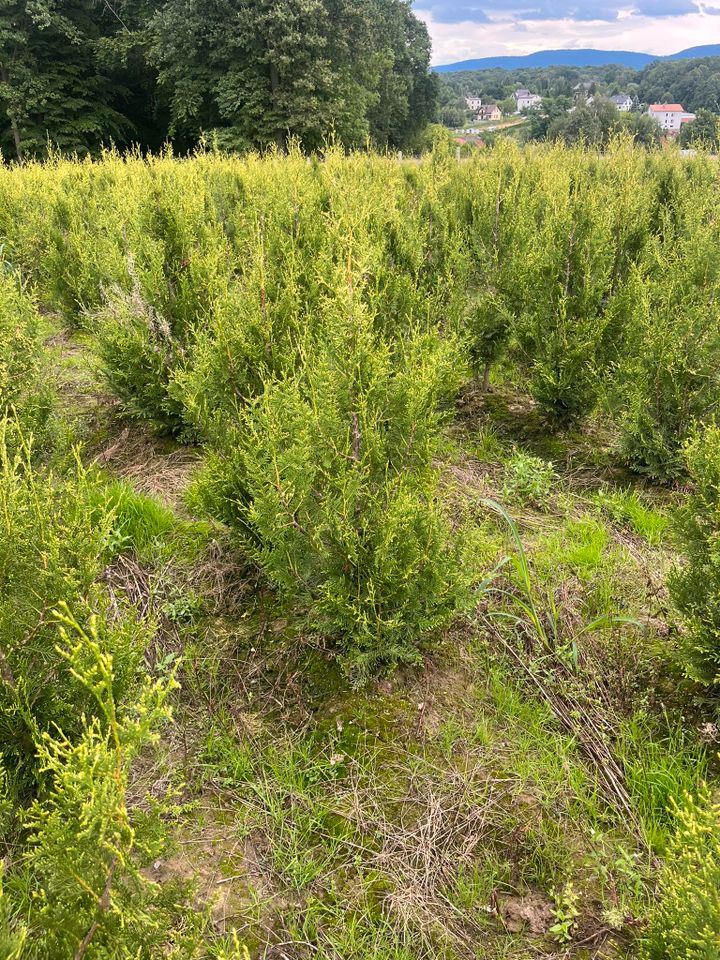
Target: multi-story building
[488, 111]
[525, 100]
[622, 102]
[670, 116]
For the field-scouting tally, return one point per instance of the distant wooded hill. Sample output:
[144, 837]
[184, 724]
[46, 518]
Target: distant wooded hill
[693, 82]
[577, 58]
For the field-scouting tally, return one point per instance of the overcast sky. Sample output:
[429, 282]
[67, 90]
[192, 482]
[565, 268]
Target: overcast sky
[474, 28]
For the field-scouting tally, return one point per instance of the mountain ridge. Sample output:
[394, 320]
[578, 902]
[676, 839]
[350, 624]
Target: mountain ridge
[588, 57]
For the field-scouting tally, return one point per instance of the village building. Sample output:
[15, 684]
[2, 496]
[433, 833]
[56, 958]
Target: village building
[584, 91]
[488, 111]
[622, 102]
[473, 103]
[525, 100]
[670, 116]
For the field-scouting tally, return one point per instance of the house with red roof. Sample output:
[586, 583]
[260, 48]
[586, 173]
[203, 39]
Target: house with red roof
[670, 116]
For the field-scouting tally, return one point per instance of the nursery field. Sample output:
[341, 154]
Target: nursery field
[359, 566]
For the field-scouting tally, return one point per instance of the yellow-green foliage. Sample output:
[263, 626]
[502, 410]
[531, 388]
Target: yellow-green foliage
[686, 922]
[78, 880]
[25, 393]
[75, 711]
[208, 284]
[201, 276]
[695, 586]
[55, 538]
[329, 478]
[310, 321]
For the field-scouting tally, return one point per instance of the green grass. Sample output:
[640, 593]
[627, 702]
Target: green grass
[139, 521]
[630, 509]
[662, 766]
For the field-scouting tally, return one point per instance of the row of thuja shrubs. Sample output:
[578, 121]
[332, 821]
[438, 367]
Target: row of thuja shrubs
[225, 293]
[592, 276]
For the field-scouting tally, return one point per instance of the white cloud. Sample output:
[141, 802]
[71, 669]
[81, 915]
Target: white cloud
[502, 37]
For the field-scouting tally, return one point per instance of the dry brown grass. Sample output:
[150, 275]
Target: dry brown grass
[150, 464]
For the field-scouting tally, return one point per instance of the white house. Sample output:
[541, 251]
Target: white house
[473, 103]
[622, 102]
[525, 100]
[583, 90]
[670, 116]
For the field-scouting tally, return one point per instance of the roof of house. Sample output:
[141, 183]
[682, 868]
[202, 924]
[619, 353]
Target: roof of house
[524, 93]
[620, 98]
[666, 108]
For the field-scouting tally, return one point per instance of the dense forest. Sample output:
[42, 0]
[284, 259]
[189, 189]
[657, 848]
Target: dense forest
[81, 74]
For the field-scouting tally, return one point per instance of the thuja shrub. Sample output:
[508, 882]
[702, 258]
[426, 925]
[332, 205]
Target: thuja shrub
[54, 542]
[25, 391]
[291, 236]
[695, 587]
[75, 713]
[141, 354]
[497, 235]
[685, 924]
[75, 883]
[85, 231]
[668, 380]
[179, 267]
[257, 328]
[329, 481]
[23, 234]
[564, 279]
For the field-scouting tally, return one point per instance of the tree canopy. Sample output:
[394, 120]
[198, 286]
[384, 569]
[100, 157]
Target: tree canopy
[80, 74]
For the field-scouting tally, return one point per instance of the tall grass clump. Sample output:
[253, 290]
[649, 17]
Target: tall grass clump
[329, 481]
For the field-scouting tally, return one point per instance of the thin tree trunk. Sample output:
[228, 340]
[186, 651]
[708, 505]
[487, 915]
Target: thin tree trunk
[275, 87]
[13, 121]
[486, 377]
